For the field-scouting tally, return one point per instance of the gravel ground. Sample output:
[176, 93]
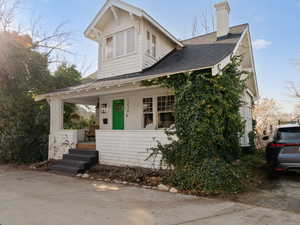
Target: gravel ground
[281, 191]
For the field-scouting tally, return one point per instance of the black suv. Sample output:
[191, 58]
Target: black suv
[283, 151]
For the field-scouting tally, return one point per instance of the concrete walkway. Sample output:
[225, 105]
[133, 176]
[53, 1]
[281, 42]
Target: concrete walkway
[36, 198]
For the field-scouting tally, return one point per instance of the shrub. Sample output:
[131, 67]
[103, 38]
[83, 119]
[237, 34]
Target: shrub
[212, 176]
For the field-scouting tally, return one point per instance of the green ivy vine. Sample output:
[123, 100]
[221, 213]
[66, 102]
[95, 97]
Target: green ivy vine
[208, 129]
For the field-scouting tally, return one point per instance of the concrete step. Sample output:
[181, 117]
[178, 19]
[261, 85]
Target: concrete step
[75, 163]
[79, 157]
[65, 169]
[84, 152]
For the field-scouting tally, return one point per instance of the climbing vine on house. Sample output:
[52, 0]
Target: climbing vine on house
[206, 153]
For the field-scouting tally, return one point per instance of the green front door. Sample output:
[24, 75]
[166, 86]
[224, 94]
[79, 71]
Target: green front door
[118, 114]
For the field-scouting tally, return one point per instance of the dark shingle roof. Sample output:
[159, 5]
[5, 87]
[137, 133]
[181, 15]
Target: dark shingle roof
[200, 52]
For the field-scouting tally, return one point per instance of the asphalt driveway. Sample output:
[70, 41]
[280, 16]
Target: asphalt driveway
[36, 198]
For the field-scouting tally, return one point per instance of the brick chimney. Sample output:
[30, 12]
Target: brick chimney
[222, 18]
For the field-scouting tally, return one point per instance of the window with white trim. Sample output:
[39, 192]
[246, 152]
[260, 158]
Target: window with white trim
[153, 52]
[120, 47]
[165, 111]
[148, 43]
[120, 44]
[151, 44]
[148, 113]
[130, 33]
[109, 47]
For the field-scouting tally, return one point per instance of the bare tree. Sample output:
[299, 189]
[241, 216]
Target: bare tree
[54, 44]
[294, 90]
[195, 30]
[206, 25]
[267, 114]
[8, 11]
[207, 21]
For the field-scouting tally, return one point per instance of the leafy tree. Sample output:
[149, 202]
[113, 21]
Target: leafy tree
[66, 76]
[24, 123]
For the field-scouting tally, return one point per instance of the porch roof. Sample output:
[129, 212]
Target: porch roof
[202, 52]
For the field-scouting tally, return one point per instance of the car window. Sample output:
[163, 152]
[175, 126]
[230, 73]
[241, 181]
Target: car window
[291, 133]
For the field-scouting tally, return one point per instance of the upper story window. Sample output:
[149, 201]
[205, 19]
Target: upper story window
[130, 40]
[109, 47]
[151, 44]
[120, 47]
[148, 43]
[120, 44]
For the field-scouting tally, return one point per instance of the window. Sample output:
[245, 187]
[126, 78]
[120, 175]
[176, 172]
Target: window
[130, 40]
[148, 43]
[109, 47]
[148, 113]
[165, 110]
[104, 108]
[153, 46]
[120, 44]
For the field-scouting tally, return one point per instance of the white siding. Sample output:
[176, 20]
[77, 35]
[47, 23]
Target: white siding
[125, 64]
[246, 113]
[129, 148]
[61, 141]
[138, 60]
[133, 107]
[163, 45]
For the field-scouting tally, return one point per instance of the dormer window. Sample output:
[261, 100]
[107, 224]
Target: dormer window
[120, 47]
[109, 48]
[151, 44]
[120, 44]
[130, 40]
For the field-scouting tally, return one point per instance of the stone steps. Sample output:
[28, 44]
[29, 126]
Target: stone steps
[77, 161]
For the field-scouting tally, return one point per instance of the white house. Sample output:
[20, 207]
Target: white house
[134, 47]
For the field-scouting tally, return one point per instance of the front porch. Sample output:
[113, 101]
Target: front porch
[130, 123]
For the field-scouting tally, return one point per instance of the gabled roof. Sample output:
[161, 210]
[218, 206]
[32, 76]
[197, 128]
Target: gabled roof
[89, 78]
[202, 52]
[131, 10]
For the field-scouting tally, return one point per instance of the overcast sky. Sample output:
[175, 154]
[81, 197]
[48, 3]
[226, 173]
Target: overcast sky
[274, 27]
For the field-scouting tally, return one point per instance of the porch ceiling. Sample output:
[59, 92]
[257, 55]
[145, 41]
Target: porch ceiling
[88, 100]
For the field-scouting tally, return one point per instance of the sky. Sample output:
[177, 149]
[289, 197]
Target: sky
[274, 28]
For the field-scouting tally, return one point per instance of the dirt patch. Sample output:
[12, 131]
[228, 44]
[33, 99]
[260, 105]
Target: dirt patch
[41, 166]
[137, 175]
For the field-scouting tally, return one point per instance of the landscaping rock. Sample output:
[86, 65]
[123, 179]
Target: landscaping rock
[85, 176]
[79, 175]
[147, 187]
[154, 181]
[173, 190]
[163, 187]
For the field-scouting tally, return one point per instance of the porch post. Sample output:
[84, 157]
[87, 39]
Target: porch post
[98, 113]
[56, 115]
